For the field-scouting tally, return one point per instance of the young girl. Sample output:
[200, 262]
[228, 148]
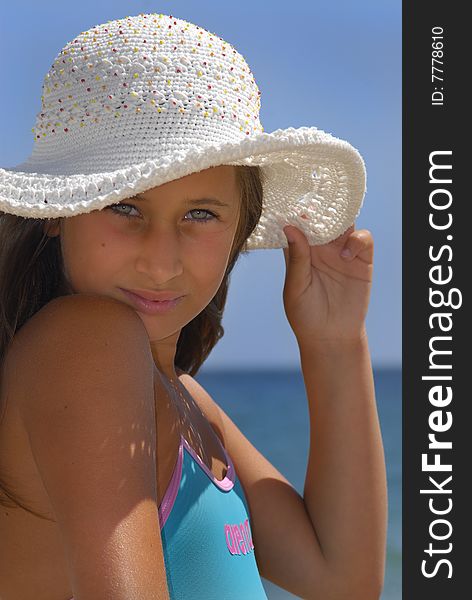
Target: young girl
[121, 477]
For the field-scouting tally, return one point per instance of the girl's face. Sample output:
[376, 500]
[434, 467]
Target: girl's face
[175, 237]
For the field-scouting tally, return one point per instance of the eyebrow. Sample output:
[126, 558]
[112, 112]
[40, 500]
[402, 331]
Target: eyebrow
[189, 202]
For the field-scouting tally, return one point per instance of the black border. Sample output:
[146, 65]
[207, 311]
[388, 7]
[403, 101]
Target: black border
[428, 128]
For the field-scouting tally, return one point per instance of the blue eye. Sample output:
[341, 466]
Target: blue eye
[203, 210]
[116, 208]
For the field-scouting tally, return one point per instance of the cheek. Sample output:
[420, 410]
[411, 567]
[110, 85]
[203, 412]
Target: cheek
[208, 263]
[88, 254]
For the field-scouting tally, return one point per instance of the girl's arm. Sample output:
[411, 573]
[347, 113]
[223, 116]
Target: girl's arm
[345, 490]
[326, 298]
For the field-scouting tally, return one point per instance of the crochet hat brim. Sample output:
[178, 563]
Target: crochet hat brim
[311, 179]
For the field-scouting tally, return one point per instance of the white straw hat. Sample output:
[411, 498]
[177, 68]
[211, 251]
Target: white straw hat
[137, 102]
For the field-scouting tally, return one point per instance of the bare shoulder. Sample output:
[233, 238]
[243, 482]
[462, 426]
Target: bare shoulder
[86, 400]
[72, 312]
[81, 340]
[204, 401]
[69, 324]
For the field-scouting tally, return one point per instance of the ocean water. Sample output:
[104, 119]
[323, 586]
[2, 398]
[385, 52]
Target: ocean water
[270, 408]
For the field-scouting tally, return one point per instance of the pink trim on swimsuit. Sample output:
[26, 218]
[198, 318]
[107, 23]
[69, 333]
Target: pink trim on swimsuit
[226, 484]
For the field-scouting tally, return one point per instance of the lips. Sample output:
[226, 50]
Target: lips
[152, 307]
[155, 296]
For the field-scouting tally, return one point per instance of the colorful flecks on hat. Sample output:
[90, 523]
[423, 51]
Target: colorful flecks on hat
[122, 80]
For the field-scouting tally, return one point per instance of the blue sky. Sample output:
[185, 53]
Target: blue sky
[333, 64]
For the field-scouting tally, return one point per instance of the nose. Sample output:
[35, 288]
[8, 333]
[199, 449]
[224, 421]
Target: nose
[159, 253]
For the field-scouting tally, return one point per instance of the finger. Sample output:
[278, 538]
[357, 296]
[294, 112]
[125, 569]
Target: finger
[298, 258]
[359, 241]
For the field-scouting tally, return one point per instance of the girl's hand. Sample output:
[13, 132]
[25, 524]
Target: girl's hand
[326, 296]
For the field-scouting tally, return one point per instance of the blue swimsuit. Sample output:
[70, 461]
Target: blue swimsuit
[206, 534]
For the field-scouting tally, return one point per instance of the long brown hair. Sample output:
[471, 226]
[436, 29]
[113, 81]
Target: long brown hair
[32, 274]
